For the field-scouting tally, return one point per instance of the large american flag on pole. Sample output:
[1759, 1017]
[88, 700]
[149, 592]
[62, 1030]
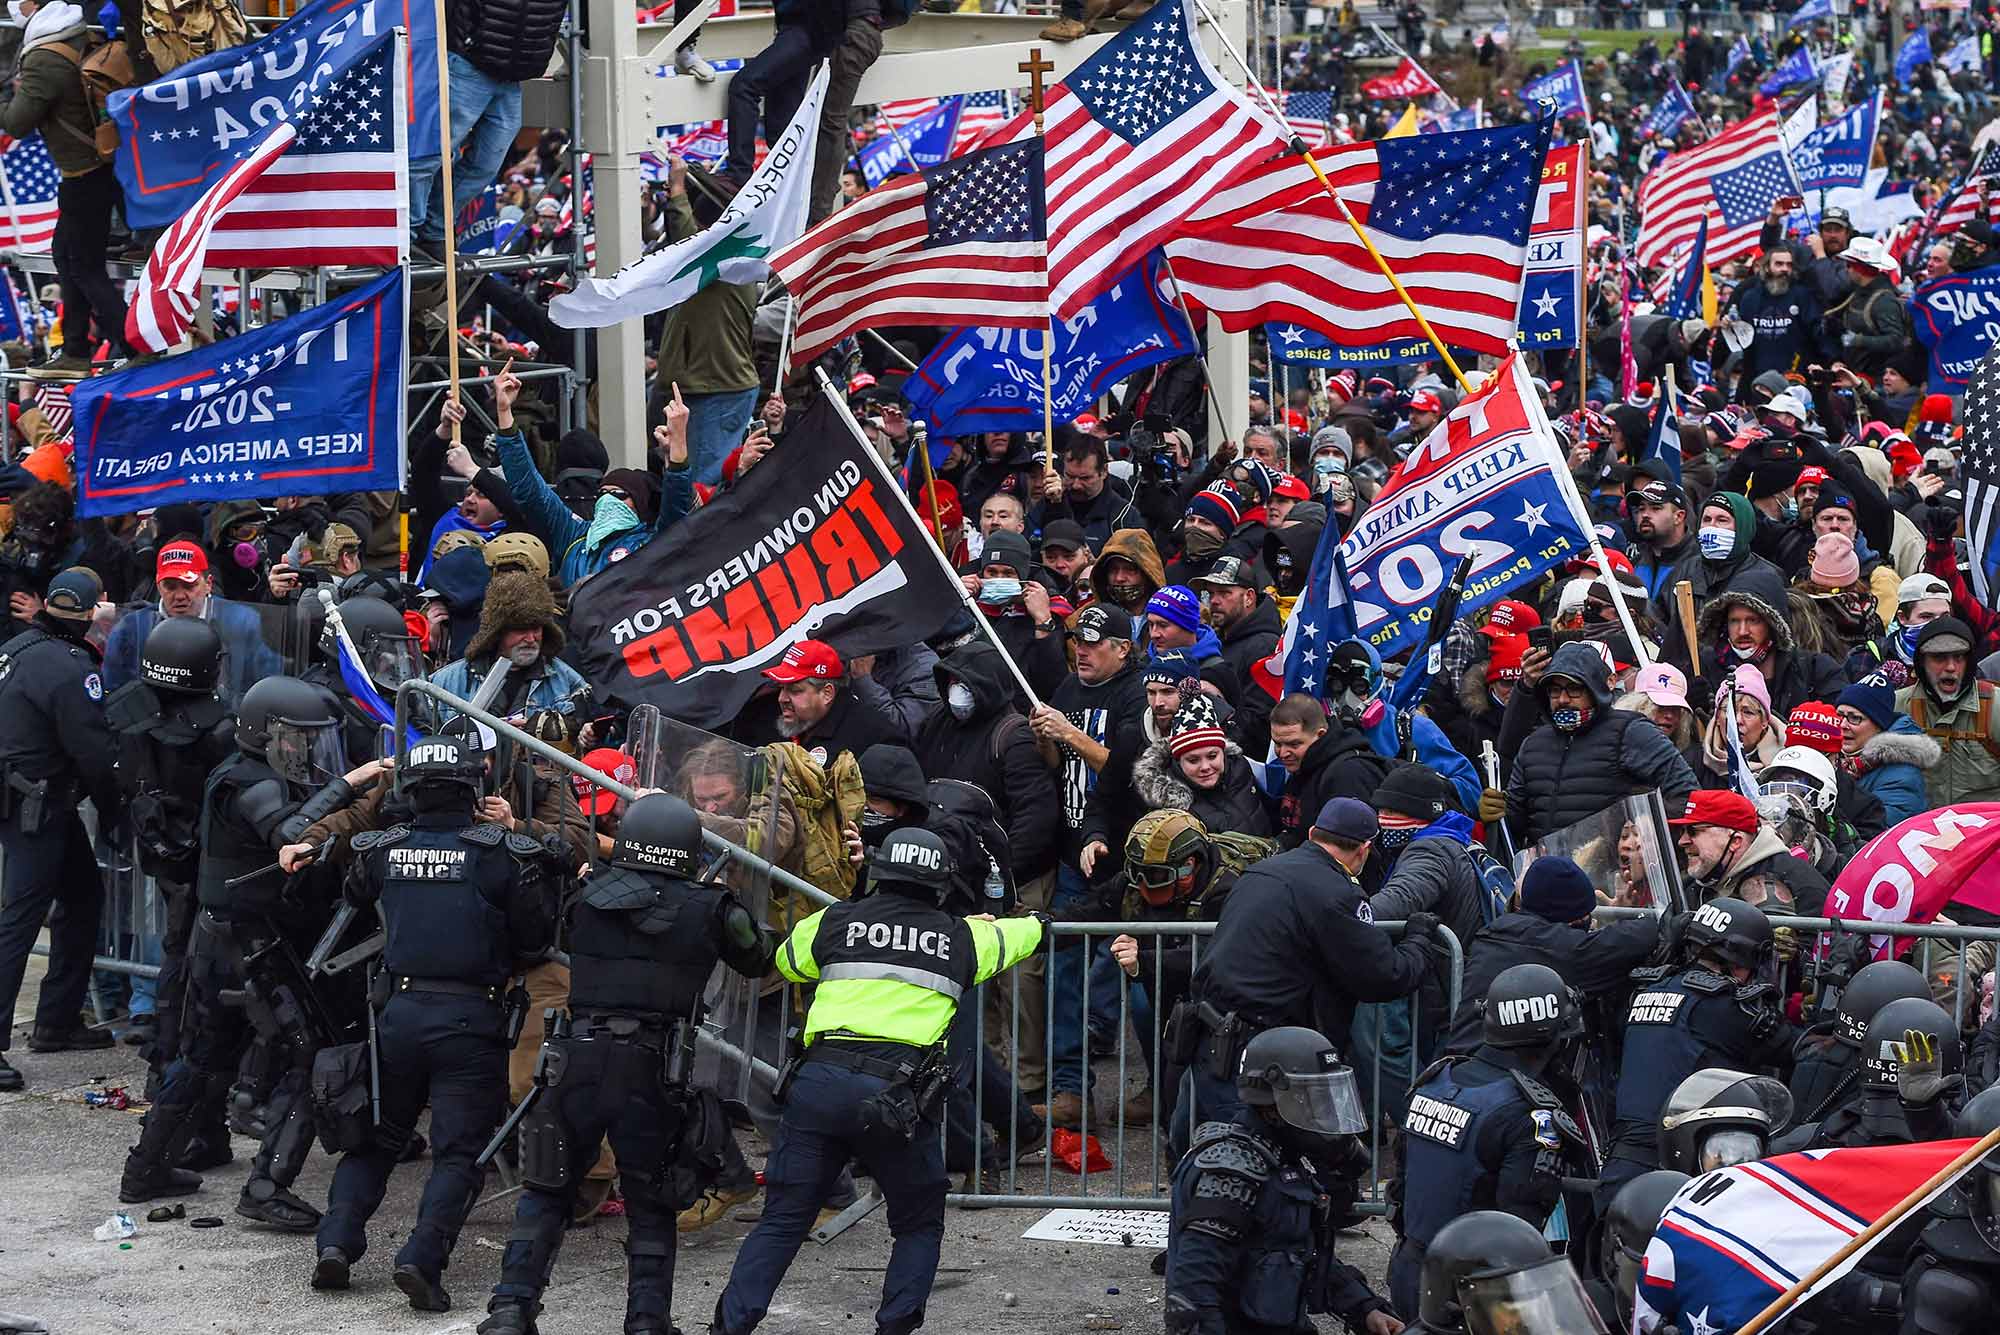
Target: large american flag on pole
[1732, 180]
[1449, 212]
[1138, 135]
[28, 181]
[961, 243]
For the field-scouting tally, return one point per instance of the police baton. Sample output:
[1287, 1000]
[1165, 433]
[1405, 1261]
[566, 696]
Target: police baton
[514, 1119]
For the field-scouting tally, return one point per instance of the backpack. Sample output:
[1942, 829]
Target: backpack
[1234, 853]
[827, 798]
[1495, 881]
[105, 68]
[178, 31]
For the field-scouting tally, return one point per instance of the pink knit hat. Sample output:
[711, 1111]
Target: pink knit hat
[1751, 683]
[1834, 564]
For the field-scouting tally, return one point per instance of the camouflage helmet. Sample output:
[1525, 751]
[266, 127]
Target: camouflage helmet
[1160, 844]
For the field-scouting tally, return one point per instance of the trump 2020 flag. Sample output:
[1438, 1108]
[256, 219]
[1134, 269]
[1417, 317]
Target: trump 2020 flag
[1797, 68]
[180, 132]
[1837, 155]
[1674, 109]
[767, 214]
[1735, 1239]
[1563, 86]
[1486, 481]
[309, 405]
[1552, 281]
[928, 139]
[810, 544]
[991, 379]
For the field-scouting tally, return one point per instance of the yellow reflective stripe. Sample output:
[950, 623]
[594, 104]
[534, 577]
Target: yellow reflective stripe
[788, 958]
[870, 971]
[1011, 940]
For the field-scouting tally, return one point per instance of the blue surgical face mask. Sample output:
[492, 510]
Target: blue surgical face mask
[999, 592]
[1716, 543]
[1789, 512]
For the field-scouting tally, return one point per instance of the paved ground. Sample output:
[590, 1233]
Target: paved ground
[59, 1163]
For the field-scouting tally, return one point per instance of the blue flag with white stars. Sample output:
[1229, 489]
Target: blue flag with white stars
[1563, 86]
[309, 405]
[991, 196]
[1745, 194]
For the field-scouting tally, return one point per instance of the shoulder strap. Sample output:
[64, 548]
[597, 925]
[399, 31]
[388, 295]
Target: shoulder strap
[1985, 723]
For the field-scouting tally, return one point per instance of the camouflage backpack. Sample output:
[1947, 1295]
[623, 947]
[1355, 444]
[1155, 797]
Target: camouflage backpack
[827, 799]
[178, 31]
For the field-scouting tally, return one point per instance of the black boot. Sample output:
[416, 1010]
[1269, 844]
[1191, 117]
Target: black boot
[207, 1151]
[268, 1203]
[330, 1271]
[267, 1196]
[509, 1316]
[10, 1079]
[149, 1168]
[425, 1294]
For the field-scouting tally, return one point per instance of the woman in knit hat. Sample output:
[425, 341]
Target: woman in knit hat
[1200, 771]
[1885, 752]
[1762, 735]
[1838, 598]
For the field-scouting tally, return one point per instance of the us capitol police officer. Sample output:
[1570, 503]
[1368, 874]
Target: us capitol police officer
[1483, 1132]
[54, 751]
[644, 938]
[890, 971]
[461, 903]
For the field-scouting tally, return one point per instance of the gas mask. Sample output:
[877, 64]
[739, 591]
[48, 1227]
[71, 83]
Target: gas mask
[1717, 544]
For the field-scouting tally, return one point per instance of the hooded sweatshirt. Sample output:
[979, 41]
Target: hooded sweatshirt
[1136, 546]
[48, 92]
[994, 749]
[1710, 578]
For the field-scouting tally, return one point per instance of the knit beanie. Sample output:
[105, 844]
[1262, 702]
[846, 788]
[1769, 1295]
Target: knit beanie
[1557, 889]
[1749, 681]
[1416, 790]
[1873, 699]
[1834, 564]
[1196, 725]
[1815, 724]
[1218, 507]
[1178, 604]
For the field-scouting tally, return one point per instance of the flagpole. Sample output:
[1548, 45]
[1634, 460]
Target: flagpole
[785, 344]
[444, 200]
[1298, 146]
[1893, 1216]
[920, 435]
[874, 457]
[1583, 277]
[1035, 66]
[1207, 380]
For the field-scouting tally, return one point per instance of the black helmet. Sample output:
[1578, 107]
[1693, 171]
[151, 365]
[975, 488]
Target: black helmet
[1978, 1118]
[1473, 1244]
[1735, 932]
[1881, 1046]
[294, 726]
[659, 833]
[1718, 1117]
[442, 761]
[182, 654]
[1628, 1225]
[389, 653]
[1296, 1073]
[1873, 987]
[1530, 1006]
[914, 857]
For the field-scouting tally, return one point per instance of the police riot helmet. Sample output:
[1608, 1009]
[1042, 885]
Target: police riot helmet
[182, 654]
[1629, 1223]
[1166, 848]
[1882, 1044]
[1717, 1117]
[1732, 931]
[390, 654]
[1478, 1243]
[1542, 1297]
[294, 726]
[1873, 987]
[441, 763]
[1530, 1006]
[660, 833]
[1297, 1074]
[914, 862]
[1976, 1120]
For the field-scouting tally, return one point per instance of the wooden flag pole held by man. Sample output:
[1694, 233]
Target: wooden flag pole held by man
[1035, 66]
[443, 193]
[920, 437]
[1298, 146]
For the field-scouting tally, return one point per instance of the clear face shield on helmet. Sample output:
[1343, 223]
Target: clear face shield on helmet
[1323, 1104]
[1540, 1299]
[308, 754]
[1731, 1145]
[1719, 1117]
[391, 660]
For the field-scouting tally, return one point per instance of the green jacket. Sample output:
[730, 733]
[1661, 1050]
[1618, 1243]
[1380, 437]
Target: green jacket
[706, 345]
[891, 968]
[1969, 732]
[48, 96]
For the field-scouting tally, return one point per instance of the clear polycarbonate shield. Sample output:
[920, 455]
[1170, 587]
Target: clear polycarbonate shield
[308, 754]
[1546, 1298]
[1627, 850]
[391, 660]
[1327, 1103]
[1718, 1094]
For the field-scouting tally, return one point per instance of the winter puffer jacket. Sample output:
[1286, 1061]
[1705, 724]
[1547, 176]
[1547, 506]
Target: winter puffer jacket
[507, 39]
[1891, 769]
[1559, 777]
[1233, 804]
[1435, 874]
[1793, 675]
[995, 749]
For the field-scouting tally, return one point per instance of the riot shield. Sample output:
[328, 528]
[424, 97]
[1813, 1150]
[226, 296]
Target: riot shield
[1627, 850]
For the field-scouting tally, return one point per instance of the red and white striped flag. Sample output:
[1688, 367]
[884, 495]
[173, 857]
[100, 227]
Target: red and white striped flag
[52, 398]
[28, 181]
[962, 243]
[1725, 180]
[979, 115]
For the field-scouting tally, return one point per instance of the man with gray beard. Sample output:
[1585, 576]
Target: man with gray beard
[1784, 314]
[816, 706]
[518, 625]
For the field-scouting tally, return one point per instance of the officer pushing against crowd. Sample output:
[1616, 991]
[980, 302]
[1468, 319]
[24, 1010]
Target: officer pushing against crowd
[1250, 1240]
[256, 922]
[1484, 1131]
[1911, 1086]
[54, 751]
[890, 971]
[1952, 1280]
[173, 730]
[1826, 1076]
[643, 939]
[461, 903]
[1713, 1005]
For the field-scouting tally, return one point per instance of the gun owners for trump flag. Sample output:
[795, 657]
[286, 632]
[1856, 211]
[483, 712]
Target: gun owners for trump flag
[810, 544]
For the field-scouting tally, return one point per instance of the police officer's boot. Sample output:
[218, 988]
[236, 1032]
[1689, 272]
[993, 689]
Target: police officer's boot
[149, 1167]
[331, 1270]
[266, 1196]
[509, 1316]
[649, 1279]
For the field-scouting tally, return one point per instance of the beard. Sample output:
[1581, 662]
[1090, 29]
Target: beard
[1777, 284]
[524, 655]
[791, 728]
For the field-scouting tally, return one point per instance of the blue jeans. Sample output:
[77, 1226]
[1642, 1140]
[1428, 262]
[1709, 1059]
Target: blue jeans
[716, 423]
[485, 117]
[1068, 1072]
[1382, 1034]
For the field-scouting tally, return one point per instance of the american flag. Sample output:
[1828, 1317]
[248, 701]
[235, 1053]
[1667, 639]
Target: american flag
[1139, 135]
[1979, 457]
[1308, 114]
[301, 196]
[1963, 205]
[1322, 617]
[1731, 180]
[52, 398]
[1449, 212]
[907, 108]
[28, 207]
[962, 243]
[982, 113]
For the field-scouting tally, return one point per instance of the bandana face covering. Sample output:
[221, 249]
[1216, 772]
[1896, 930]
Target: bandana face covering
[1393, 839]
[610, 517]
[1569, 720]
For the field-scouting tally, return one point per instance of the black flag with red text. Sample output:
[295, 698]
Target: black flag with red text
[808, 545]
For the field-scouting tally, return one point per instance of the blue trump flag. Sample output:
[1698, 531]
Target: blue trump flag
[1673, 110]
[991, 379]
[1837, 154]
[181, 131]
[1797, 68]
[928, 137]
[1809, 12]
[1563, 86]
[479, 227]
[1956, 317]
[309, 405]
[1915, 52]
[1685, 301]
[1663, 442]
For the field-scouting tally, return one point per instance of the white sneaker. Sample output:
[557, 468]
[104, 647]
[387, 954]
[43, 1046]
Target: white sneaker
[687, 61]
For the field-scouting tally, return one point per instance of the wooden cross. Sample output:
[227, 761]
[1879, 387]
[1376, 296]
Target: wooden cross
[1035, 67]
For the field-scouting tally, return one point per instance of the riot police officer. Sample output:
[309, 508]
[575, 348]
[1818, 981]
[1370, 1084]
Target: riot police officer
[1952, 1280]
[1623, 1233]
[890, 970]
[1494, 1284]
[256, 921]
[1826, 1074]
[390, 655]
[1714, 1006]
[173, 730]
[1250, 1240]
[1484, 1131]
[643, 939]
[54, 751]
[1718, 1117]
[1892, 1108]
[461, 903]
[1479, 1243]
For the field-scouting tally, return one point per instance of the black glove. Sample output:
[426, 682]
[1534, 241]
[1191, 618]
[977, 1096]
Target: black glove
[1673, 926]
[1421, 929]
[1940, 521]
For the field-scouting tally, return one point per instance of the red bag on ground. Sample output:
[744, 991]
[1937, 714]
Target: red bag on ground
[1069, 1148]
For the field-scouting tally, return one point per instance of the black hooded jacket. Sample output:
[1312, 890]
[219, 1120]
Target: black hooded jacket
[1339, 764]
[996, 750]
[1794, 675]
